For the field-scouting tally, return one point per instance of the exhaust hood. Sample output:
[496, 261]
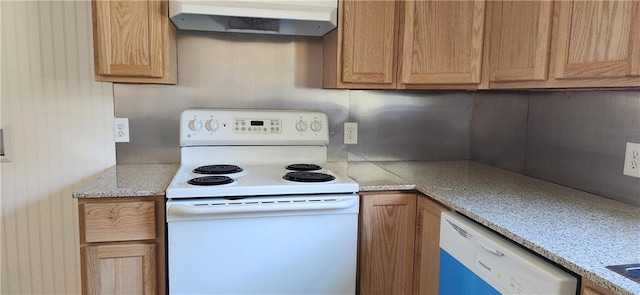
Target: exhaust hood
[292, 17]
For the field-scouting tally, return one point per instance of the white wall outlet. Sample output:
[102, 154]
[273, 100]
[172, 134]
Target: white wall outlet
[121, 129]
[632, 160]
[350, 133]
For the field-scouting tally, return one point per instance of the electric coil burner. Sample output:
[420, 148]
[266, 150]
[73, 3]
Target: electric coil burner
[211, 180]
[303, 167]
[304, 176]
[217, 169]
[217, 212]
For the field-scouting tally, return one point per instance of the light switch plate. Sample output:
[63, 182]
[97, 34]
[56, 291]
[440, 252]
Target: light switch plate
[632, 160]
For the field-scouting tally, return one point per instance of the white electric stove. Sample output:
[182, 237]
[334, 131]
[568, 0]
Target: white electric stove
[254, 210]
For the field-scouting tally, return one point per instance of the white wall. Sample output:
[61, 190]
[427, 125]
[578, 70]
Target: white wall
[62, 136]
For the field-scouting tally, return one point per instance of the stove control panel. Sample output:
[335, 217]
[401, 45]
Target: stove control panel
[257, 126]
[200, 127]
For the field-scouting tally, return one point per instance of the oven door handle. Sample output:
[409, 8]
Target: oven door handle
[177, 212]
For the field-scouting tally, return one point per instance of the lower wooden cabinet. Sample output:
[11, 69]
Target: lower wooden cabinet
[398, 243]
[387, 224]
[122, 245]
[591, 288]
[120, 268]
[427, 246]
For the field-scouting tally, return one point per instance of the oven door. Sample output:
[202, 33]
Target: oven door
[263, 245]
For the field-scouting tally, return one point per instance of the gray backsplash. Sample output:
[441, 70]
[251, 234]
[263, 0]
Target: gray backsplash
[224, 70]
[572, 138]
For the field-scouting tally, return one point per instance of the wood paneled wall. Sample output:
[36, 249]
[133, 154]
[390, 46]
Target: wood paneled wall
[62, 136]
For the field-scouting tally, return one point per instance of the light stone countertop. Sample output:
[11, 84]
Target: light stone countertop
[133, 180]
[580, 231]
[371, 177]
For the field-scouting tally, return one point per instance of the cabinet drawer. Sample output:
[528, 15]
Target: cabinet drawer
[117, 221]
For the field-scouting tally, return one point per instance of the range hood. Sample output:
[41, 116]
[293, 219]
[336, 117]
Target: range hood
[292, 17]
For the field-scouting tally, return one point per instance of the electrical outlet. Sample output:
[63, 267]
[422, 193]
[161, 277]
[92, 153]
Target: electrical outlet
[632, 160]
[350, 133]
[121, 129]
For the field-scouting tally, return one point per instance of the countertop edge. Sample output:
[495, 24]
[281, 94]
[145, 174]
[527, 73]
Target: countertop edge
[128, 180]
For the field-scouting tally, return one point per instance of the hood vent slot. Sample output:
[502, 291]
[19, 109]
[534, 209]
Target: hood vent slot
[256, 24]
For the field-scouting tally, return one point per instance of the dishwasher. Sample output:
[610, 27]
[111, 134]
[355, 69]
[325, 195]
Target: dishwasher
[475, 260]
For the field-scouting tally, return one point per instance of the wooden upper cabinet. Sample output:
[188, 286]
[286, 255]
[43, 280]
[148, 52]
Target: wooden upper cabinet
[442, 42]
[597, 39]
[518, 41]
[361, 52]
[434, 44]
[134, 41]
[368, 42]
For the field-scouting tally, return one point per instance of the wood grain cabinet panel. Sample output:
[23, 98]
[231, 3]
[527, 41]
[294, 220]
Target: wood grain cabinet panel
[361, 52]
[597, 39]
[519, 40]
[134, 41]
[121, 269]
[387, 226]
[118, 221]
[426, 265]
[480, 45]
[442, 42]
[122, 245]
[591, 288]
[399, 238]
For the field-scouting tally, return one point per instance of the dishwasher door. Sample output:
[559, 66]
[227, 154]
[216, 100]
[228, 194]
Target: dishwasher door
[475, 260]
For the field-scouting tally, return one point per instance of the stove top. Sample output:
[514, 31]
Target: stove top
[255, 180]
[234, 152]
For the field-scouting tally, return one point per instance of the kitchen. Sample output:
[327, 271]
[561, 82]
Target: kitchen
[578, 135]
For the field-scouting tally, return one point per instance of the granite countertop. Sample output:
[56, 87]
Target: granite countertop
[580, 231]
[129, 181]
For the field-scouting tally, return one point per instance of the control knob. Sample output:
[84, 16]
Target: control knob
[301, 126]
[212, 125]
[316, 125]
[195, 125]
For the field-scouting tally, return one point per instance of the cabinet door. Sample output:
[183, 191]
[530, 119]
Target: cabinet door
[134, 41]
[591, 288]
[120, 269]
[520, 36]
[427, 247]
[442, 42]
[597, 39]
[369, 41]
[387, 230]
[129, 38]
